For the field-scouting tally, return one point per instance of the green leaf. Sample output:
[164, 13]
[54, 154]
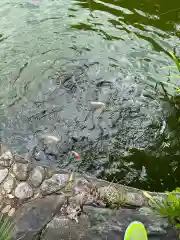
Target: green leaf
[176, 60]
[175, 76]
[170, 206]
[168, 67]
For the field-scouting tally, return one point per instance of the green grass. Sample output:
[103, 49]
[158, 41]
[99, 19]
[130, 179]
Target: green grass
[6, 228]
[176, 66]
[168, 206]
[176, 60]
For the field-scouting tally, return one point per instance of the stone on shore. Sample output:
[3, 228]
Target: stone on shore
[6, 156]
[21, 170]
[104, 223]
[6, 209]
[23, 191]
[81, 216]
[55, 183]
[33, 217]
[3, 174]
[6, 159]
[9, 184]
[37, 176]
[11, 212]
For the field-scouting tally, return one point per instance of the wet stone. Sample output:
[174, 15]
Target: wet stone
[20, 170]
[37, 176]
[6, 159]
[40, 156]
[56, 183]
[3, 174]
[23, 191]
[9, 184]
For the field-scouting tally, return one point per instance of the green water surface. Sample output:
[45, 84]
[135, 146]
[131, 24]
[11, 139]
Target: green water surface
[128, 38]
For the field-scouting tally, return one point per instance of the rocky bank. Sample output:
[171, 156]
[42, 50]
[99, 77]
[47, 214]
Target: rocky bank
[47, 203]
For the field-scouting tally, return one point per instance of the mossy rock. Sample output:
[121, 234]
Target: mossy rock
[113, 197]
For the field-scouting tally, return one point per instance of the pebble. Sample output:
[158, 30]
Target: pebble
[37, 176]
[6, 209]
[11, 212]
[6, 159]
[54, 184]
[60, 178]
[23, 191]
[3, 174]
[20, 171]
[49, 172]
[10, 196]
[9, 184]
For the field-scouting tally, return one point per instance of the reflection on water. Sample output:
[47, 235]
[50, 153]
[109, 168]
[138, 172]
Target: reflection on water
[58, 56]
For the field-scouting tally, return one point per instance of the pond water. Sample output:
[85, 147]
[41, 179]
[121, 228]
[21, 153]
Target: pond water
[58, 56]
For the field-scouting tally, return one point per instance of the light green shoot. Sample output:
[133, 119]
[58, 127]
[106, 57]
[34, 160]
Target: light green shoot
[176, 60]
